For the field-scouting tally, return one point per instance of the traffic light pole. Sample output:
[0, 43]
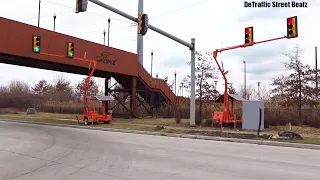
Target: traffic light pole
[191, 46]
[140, 37]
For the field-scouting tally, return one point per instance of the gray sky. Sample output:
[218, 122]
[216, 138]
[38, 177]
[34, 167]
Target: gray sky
[214, 23]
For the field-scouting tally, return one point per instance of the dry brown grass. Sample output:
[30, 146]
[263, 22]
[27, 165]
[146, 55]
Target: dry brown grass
[275, 115]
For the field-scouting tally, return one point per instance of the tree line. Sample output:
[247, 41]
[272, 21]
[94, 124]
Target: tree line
[296, 90]
[19, 94]
[284, 97]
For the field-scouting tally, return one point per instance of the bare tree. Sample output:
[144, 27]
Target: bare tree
[62, 90]
[92, 88]
[41, 88]
[205, 71]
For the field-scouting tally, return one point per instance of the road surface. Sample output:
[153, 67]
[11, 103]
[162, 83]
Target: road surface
[32, 152]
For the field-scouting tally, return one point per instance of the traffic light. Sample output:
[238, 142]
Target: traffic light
[36, 44]
[143, 23]
[140, 23]
[70, 50]
[248, 35]
[81, 5]
[292, 27]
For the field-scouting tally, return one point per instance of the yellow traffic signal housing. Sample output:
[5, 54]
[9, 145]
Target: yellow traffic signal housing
[143, 24]
[248, 35]
[140, 23]
[36, 44]
[70, 50]
[292, 27]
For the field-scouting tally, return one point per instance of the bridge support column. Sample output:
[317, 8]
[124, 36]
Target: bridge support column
[107, 91]
[133, 96]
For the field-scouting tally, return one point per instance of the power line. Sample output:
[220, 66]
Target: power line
[87, 11]
[191, 5]
[46, 16]
[94, 31]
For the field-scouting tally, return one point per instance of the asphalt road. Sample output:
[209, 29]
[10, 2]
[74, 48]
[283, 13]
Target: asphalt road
[32, 152]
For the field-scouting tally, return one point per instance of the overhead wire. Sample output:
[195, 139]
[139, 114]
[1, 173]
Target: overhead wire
[87, 11]
[46, 16]
[179, 9]
[95, 31]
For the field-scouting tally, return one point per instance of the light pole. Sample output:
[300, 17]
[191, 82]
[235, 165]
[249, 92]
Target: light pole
[215, 85]
[39, 13]
[182, 89]
[258, 90]
[54, 21]
[175, 92]
[109, 20]
[245, 79]
[175, 82]
[151, 61]
[104, 37]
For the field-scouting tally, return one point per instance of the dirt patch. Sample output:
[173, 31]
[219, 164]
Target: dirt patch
[223, 134]
[158, 128]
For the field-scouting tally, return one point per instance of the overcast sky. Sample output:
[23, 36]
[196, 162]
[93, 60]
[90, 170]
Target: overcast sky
[213, 23]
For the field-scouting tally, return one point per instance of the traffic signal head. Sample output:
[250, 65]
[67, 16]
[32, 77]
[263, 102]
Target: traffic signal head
[81, 5]
[248, 35]
[140, 23]
[70, 50]
[145, 20]
[143, 23]
[292, 27]
[36, 44]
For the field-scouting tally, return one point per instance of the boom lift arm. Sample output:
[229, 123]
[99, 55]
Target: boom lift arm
[87, 80]
[226, 112]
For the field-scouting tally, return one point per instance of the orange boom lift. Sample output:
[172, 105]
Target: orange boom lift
[226, 116]
[91, 116]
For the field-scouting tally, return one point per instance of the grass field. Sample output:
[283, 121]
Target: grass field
[162, 125]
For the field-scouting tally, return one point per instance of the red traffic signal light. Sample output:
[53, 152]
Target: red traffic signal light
[292, 27]
[248, 35]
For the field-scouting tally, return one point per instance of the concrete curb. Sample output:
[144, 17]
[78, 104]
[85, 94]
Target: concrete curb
[249, 141]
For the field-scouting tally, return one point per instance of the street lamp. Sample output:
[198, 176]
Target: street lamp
[175, 92]
[258, 90]
[109, 20]
[182, 89]
[215, 85]
[245, 79]
[54, 21]
[151, 61]
[104, 37]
